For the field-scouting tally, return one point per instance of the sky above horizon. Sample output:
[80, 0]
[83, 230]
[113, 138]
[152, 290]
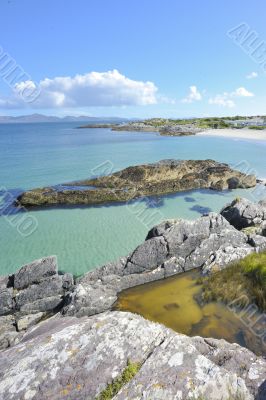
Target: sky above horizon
[136, 59]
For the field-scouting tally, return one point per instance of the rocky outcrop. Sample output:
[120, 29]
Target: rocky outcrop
[242, 213]
[75, 359]
[172, 247]
[164, 129]
[32, 293]
[167, 176]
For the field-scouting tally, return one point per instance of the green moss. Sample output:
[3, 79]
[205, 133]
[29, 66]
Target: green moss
[113, 388]
[243, 281]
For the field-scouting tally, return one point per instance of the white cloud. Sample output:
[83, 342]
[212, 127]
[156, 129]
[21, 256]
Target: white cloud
[252, 75]
[93, 89]
[222, 100]
[194, 95]
[225, 99]
[242, 92]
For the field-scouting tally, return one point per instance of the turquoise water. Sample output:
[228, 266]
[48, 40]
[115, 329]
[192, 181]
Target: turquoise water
[36, 155]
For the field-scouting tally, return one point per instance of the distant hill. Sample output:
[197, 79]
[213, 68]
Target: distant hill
[47, 118]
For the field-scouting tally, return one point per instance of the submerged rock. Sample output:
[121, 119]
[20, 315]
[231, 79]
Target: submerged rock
[167, 176]
[75, 359]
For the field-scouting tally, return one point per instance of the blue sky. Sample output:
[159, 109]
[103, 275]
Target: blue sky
[133, 58]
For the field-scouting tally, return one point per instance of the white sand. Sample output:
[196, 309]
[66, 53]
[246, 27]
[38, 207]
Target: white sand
[236, 133]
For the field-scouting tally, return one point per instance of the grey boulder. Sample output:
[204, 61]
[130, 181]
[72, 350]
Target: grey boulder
[242, 213]
[35, 272]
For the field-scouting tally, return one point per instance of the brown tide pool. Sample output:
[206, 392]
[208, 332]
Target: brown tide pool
[172, 302]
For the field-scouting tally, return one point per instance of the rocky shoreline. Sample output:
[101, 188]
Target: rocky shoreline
[185, 127]
[163, 177]
[163, 130]
[63, 357]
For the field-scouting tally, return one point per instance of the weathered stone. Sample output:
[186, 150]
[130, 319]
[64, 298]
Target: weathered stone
[51, 286]
[35, 272]
[173, 266]
[242, 213]
[75, 359]
[224, 256]
[113, 268]
[51, 303]
[6, 300]
[147, 256]
[3, 282]
[67, 281]
[28, 320]
[90, 299]
[8, 334]
[257, 241]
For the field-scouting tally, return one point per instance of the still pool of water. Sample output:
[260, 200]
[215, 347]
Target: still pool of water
[49, 154]
[173, 303]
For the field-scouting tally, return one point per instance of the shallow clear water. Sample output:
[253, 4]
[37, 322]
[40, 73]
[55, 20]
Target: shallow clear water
[37, 155]
[172, 302]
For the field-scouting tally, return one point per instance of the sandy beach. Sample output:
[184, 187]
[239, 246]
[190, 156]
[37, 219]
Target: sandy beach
[236, 133]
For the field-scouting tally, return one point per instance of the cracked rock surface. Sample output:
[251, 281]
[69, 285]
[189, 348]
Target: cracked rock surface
[75, 359]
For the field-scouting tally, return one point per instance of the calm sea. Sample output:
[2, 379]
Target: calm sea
[36, 155]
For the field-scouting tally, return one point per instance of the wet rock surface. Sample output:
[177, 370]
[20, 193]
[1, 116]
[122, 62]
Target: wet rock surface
[164, 177]
[75, 359]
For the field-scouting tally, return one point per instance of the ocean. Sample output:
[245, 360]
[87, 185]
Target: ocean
[44, 154]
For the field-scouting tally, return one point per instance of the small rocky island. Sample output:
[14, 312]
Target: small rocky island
[161, 178]
[60, 338]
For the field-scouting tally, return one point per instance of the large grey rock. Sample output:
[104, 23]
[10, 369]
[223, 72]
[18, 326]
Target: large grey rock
[242, 213]
[48, 287]
[90, 299]
[46, 304]
[35, 289]
[75, 359]
[147, 256]
[35, 272]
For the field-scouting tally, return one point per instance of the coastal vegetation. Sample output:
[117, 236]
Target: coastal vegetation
[164, 177]
[185, 126]
[256, 127]
[244, 282]
[113, 388]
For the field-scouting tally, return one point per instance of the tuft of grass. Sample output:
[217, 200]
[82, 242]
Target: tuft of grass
[113, 388]
[244, 280]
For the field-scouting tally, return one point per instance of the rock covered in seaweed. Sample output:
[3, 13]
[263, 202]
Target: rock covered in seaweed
[166, 176]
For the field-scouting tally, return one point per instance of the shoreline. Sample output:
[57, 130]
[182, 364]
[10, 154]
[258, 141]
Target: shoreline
[249, 134]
